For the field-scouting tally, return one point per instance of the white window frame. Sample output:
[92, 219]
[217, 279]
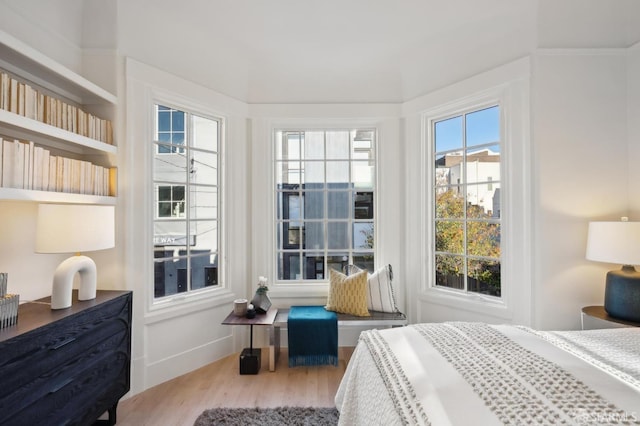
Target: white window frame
[325, 220]
[465, 219]
[516, 232]
[220, 290]
[263, 247]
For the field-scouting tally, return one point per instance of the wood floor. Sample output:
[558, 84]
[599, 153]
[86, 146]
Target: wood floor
[180, 401]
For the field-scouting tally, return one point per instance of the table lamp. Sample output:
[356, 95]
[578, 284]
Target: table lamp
[618, 242]
[74, 228]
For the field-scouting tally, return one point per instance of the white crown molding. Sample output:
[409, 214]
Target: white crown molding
[590, 51]
[634, 47]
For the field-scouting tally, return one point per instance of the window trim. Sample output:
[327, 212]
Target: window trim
[513, 157]
[465, 219]
[220, 291]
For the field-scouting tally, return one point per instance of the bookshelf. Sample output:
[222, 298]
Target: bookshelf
[67, 138]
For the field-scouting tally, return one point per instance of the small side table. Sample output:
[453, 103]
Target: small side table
[595, 317]
[250, 357]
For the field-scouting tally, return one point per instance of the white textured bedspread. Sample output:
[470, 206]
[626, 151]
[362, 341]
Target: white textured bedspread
[474, 373]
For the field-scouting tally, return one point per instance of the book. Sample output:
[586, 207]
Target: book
[8, 164]
[13, 95]
[53, 173]
[113, 182]
[21, 97]
[18, 171]
[38, 153]
[40, 107]
[46, 163]
[28, 164]
[59, 174]
[5, 82]
[29, 102]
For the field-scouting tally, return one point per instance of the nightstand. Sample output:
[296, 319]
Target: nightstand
[595, 317]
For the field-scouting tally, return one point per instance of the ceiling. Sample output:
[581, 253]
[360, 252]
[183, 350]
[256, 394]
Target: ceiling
[356, 51]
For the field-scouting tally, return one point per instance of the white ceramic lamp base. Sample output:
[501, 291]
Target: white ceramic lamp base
[63, 281]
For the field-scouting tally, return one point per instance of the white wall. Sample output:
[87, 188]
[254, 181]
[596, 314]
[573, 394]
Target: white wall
[170, 341]
[579, 116]
[52, 26]
[633, 126]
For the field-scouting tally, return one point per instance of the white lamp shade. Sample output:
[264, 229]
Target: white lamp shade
[74, 228]
[614, 242]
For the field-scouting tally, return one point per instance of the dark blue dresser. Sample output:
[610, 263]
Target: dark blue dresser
[68, 366]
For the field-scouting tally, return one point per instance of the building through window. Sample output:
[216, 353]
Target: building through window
[467, 207]
[325, 191]
[186, 220]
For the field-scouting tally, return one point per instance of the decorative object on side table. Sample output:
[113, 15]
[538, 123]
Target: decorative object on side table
[618, 242]
[74, 228]
[261, 301]
[240, 307]
[8, 303]
[251, 312]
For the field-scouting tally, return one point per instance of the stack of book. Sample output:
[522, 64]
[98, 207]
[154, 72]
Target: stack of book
[24, 165]
[23, 99]
[8, 304]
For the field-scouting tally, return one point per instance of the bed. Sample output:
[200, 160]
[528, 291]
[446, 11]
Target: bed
[462, 373]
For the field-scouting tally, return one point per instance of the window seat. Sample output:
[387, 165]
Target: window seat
[377, 319]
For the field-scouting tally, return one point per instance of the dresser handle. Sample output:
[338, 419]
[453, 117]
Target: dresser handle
[63, 343]
[60, 385]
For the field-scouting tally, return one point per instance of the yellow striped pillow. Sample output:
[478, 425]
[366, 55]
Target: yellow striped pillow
[348, 294]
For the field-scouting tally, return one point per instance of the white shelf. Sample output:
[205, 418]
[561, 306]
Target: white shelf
[14, 194]
[44, 134]
[23, 60]
[32, 66]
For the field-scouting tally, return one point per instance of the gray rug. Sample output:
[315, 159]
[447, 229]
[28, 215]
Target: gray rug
[298, 416]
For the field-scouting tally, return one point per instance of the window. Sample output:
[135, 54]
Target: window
[325, 191]
[467, 206]
[186, 220]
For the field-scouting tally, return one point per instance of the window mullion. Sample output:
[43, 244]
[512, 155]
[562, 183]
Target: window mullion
[464, 204]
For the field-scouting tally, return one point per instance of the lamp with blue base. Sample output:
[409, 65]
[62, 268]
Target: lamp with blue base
[618, 242]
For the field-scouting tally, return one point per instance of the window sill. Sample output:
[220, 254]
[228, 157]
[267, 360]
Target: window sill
[179, 304]
[476, 303]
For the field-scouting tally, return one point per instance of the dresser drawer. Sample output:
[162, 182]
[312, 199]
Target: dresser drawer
[17, 352]
[76, 393]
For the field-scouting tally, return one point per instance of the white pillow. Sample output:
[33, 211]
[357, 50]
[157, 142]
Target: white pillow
[380, 296]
